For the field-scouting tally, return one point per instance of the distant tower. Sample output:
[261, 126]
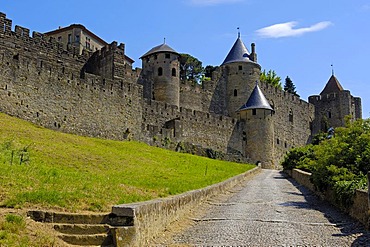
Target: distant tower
[259, 127]
[333, 105]
[161, 70]
[240, 71]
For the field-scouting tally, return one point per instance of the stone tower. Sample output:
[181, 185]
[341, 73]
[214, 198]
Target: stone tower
[333, 105]
[240, 71]
[161, 74]
[259, 127]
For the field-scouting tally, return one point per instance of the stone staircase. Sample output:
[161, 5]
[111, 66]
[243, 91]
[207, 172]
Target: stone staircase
[83, 229]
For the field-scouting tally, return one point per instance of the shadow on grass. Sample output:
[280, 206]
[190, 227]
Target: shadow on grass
[347, 225]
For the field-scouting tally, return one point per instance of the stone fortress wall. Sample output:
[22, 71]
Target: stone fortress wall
[92, 96]
[99, 95]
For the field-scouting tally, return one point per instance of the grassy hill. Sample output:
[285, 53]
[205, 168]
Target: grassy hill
[48, 169]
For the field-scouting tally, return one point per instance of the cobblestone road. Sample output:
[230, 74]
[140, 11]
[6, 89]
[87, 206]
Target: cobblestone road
[269, 210]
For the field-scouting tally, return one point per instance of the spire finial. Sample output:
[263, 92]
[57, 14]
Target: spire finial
[332, 69]
[164, 40]
[238, 32]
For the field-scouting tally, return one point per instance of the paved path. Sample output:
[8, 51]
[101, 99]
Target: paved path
[270, 210]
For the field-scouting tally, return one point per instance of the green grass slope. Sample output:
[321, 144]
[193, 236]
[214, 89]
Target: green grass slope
[48, 169]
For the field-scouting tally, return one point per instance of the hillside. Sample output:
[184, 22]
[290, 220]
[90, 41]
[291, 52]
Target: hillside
[49, 169]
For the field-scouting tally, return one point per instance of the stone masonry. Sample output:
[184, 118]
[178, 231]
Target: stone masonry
[98, 94]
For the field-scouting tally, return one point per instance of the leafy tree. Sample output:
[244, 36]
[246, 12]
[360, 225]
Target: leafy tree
[289, 86]
[340, 162]
[190, 68]
[208, 70]
[271, 78]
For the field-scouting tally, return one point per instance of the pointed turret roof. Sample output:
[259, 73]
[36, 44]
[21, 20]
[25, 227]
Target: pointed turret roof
[333, 86]
[257, 100]
[160, 48]
[238, 53]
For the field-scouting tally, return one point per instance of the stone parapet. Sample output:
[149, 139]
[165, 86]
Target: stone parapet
[359, 210]
[152, 217]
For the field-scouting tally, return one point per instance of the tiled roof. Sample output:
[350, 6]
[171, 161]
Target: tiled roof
[256, 101]
[238, 53]
[333, 86]
[160, 48]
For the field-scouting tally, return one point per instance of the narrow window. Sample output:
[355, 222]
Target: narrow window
[240, 67]
[290, 115]
[278, 141]
[77, 38]
[254, 111]
[155, 57]
[69, 38]
[168, 55]
[87, 43]
[60, 39]
[235, 92]
[160, 71]
[173, 72]
[329, 114]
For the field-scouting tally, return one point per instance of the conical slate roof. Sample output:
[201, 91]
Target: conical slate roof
[256, 101]
[160, 48]
[333, 86]
[238, 53]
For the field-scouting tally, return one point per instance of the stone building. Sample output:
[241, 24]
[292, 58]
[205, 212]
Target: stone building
[99, 94]
[79, 37]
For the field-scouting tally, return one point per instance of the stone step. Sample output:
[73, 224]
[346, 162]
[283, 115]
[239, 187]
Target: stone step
[79, 218]
[81, 229]
[88, 240]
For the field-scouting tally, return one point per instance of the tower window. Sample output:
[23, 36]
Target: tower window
[167, 55]
[235, 92]
[290, 115]
[160, 71]
[254, 111]
[173, 72]
[329, 114]
[240, 67]
[155, 56]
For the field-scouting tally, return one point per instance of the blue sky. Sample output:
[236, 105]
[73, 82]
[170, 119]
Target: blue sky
[299, 39]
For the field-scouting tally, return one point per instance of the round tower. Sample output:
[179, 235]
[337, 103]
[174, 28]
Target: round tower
[240, 71]
[161, 68]
[259, 127]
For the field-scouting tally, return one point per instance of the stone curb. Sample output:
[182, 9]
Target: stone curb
[359, 210]
[151, 217]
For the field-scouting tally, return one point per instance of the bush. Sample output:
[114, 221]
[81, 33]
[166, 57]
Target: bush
[340, 162]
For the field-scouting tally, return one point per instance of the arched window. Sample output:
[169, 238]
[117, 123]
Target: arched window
[160, 71]
[173, 72]
[235, 92]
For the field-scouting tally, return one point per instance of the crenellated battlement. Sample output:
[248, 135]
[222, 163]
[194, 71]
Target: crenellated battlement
[99, 94]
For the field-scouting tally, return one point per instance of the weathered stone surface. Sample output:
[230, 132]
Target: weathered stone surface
[151, 217]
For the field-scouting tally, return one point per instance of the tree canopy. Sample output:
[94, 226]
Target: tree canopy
[289, 86]
[190, 68]
[271, 78]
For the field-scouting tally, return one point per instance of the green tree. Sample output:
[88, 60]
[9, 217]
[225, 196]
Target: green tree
[190, 68]
[271, 78]
[289, 86]
[208, 70]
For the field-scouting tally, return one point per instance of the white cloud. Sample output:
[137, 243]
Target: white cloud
[213, 2]
[287, 29]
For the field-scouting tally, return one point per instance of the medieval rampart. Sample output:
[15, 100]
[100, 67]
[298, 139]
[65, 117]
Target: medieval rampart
[41, 83]
[292, 119]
